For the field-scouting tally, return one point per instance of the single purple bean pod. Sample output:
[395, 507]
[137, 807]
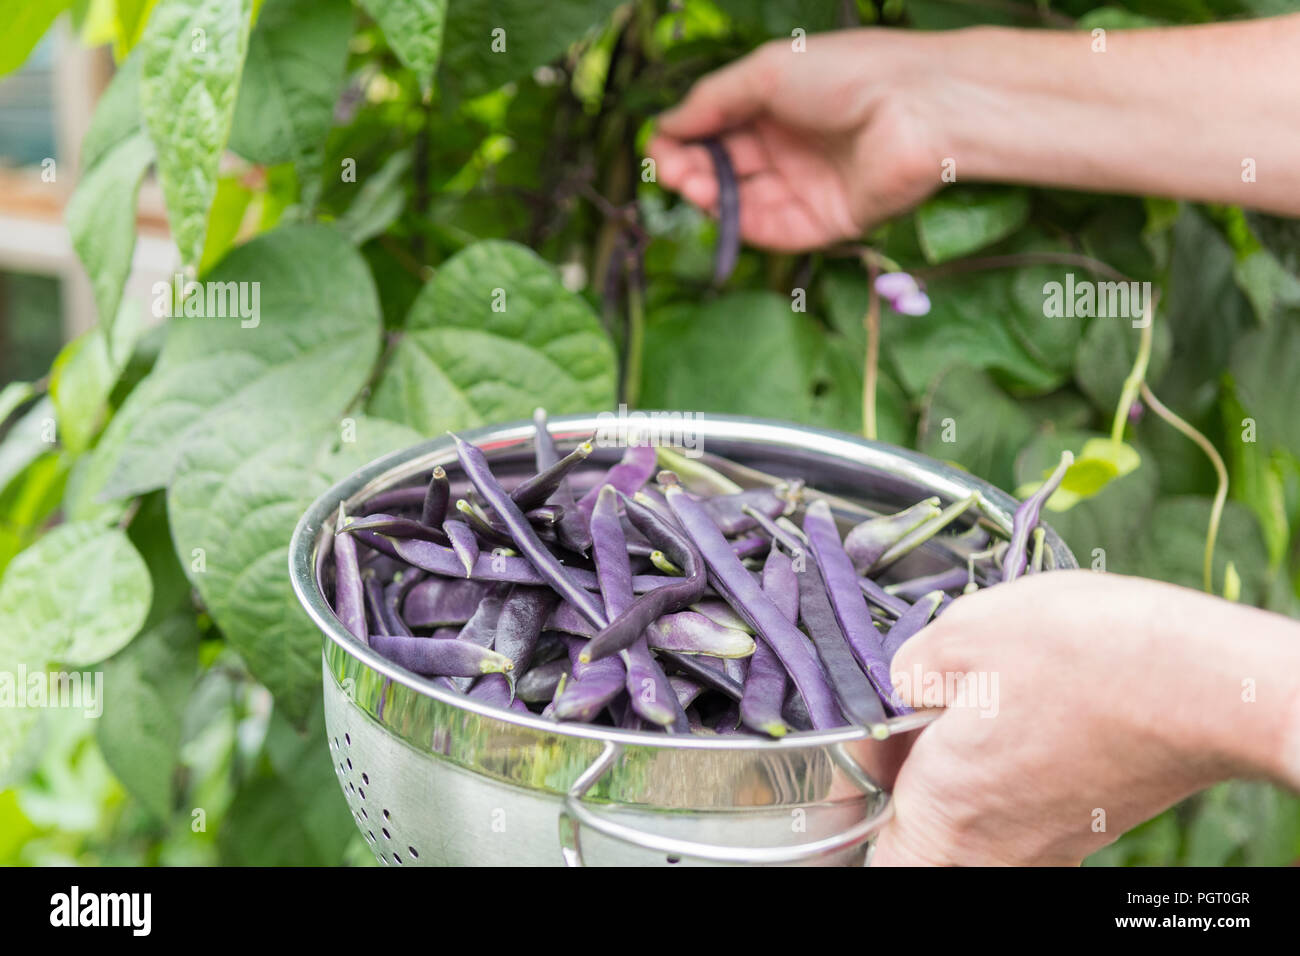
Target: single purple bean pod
[647, 685]
[536, 491]
[572, 527]
[435, 602]
[790, 644]
[731, 512]
[520, 624]
[634, 469]
[569, 620]
[544, 516]
[439, 658]
[433, 510]
[892, 604]
[765, 685]
[448, 633]
[391, 499]
[482, 528]
[463, 542]
[843, 587]
[395, 595]
[866, 542]
[857, 698]
[689, 632]
[349, 594]
[750, 546]
[913, 588]
[686, 690]
[495, 689]
[728, 249]
[924, 532]
[376, 610]
[539, 684]
[1026, 519]
[917, 617]
[394, 526]
[629, 625]
[720, 612]
[481, 629]
[706, 670]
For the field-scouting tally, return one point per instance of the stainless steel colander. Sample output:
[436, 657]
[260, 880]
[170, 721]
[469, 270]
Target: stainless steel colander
[433, 778]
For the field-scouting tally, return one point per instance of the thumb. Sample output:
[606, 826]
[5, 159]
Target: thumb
[725, 98]
[895, 847]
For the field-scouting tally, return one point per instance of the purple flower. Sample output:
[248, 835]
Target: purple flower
[1135, 412]
[903, 293]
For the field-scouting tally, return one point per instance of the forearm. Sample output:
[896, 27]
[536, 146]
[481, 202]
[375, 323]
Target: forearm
[1188, 112]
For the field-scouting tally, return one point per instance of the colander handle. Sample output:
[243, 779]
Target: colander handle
[577, 814]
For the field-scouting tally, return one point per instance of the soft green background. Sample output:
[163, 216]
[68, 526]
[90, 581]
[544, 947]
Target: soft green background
[390, 176]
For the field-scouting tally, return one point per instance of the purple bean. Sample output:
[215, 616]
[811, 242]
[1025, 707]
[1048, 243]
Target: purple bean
[349, 595]
[395, 595]
[765, 684]
[843, 588]
[433, 510]
[719, 612]
[689, 632]
[632, 622]
[1026, 519]
[538, 685]
[495, 689]
[520, 624]
[923, 532]
[634, 469]
[393, 526]
[377, 610]
[536, 491]
[913, 588]
[482, 527]
[647, 685]
[389, 499]
[463, 542]
[857, 698]
[481, 629]
[867, 541]
[686, 690]
[790, 644]
[731, 512]
[706, 670]
[435, 658]
[917, 616]
[437, 601]
[728, 249]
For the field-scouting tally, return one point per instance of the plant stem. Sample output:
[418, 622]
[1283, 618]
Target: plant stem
[1136, 377]
[871, 365]
[635, 340]
[1220, 493]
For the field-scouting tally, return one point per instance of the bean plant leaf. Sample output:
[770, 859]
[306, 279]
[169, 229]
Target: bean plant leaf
[84, 374]
[239, 491]
[291, 80]
[25, 23]
[692, 361]
[101, 219]
[414, 30]
[193, 53]
[492, 42]
[380, 200]
[77, 596]
[960, 221]
[117, 114]
[146, 688]
[1106, 354]
[969, 420]
[1265, 367]
[493, 335]
[300, 359]
[1174, 548]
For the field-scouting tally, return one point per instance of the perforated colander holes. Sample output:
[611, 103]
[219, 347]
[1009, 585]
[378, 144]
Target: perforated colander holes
[387, 858]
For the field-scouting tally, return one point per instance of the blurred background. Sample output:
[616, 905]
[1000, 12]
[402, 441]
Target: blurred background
[547, 156]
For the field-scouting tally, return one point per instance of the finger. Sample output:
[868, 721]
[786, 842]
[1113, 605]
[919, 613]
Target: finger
[676, 161]
[923, 655]
[893, 848]
[722, 100]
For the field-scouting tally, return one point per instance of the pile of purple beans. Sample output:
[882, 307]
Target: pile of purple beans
[658, 593]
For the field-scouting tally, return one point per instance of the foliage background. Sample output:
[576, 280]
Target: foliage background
[150, 534]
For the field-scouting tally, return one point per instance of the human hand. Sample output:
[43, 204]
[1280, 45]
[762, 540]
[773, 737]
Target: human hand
[824, 146]
[1108, 698]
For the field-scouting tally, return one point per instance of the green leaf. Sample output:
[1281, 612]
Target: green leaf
[76, 596]
[778, 18]
[492, 336]
[1265, 367]
[693, 362]
[27, 439]
[193, 53]
[1097, 464]
[1280, 236]
[299, 361]
[968, 324]
[25, 22]
[229, 207]
[101, 219]
[1106, 354]
[533, 34]
[413, 29]
[84, 374]
[117, 115]
[292, 812]
[237, 496]
[146, 687]
[969, 420]
[291, 81]
[380, 200]
[28, 501]
[959, 221]
[129, 19]
[12, 396]
[1174, 550]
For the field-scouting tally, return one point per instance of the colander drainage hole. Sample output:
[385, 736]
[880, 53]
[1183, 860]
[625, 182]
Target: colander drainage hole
[365, 779]
[674, 859]
[387, 815]
[348, 738]
[364, 814]
[350, 765]
[363, 793]
[397, 859]
[370, 835]
[414, 855]
[384, 831]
